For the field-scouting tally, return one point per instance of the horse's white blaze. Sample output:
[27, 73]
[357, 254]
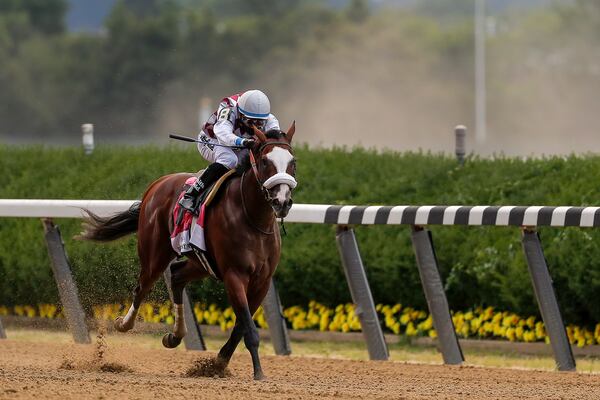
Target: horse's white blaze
[281, 158]
[283, 193]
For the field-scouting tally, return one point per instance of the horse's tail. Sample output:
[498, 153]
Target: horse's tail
[105, 229]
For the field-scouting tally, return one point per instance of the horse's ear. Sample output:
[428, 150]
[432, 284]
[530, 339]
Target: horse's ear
[259, 134]
[290, 132]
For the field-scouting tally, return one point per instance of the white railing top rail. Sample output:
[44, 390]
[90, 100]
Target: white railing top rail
[346, 214]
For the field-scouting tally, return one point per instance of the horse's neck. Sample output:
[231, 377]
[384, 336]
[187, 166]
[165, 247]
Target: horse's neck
[258, 209]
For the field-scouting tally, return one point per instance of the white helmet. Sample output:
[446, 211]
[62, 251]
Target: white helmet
[254, 104]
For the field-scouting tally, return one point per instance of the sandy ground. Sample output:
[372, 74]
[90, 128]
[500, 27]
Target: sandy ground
[105, 371]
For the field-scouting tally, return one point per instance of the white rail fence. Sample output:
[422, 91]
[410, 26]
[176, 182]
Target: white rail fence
[345, 217]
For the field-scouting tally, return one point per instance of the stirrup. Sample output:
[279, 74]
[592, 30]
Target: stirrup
[188, 202]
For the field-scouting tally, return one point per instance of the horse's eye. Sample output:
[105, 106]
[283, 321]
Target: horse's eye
[264, 163]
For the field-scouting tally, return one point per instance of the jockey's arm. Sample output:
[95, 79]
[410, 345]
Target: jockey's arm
[223, 128]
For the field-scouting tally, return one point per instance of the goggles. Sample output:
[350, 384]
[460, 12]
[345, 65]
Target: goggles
[259, 123]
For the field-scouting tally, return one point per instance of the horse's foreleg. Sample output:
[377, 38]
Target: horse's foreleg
[252, 340]
[182, 272]
[229, 347]
[236, 291]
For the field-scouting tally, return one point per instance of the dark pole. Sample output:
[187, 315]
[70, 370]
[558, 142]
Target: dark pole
[67, 288]
[546, 298]
[361, 293]
[277, 328]
[435, 295]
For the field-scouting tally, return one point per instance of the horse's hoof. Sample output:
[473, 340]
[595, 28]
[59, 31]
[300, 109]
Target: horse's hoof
[171, 341]
[259, 376]
[118, 324]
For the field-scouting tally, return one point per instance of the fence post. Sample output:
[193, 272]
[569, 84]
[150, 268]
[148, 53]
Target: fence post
[435, 295]
[546, 298]
[277, 328]
[2, 333]
[193, 339]
[460, 149]
[361, 293]
[67, 289]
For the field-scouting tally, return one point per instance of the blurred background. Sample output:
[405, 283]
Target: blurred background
[384, 74]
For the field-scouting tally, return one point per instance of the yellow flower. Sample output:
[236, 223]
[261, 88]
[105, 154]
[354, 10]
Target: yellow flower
[531, 322]
[410, 329]
[510, 334]
[345, 327]
[519, 333]
[324, 321]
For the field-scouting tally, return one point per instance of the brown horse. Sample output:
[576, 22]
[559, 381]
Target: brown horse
[242, 240]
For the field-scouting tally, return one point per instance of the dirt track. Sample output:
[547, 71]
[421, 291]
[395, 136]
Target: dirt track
[42, 370]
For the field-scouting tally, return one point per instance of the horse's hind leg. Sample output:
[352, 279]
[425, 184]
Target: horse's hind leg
[153, 263]
[182, 272]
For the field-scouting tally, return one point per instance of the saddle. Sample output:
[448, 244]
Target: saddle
[188, 229]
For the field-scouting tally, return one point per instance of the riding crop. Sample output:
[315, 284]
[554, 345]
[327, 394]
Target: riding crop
[189, 139]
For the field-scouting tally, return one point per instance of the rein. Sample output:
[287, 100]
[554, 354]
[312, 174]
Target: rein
[246, 210]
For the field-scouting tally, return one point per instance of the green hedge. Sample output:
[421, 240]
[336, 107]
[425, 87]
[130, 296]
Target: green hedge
[480, 266]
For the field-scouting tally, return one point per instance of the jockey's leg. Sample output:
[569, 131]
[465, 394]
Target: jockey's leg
[222, 159]
[182, 272]
[210, 175]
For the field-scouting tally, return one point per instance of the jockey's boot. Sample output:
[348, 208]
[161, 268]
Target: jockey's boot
[189, 201]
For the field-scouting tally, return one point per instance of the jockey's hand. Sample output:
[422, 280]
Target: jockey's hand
[248, 143]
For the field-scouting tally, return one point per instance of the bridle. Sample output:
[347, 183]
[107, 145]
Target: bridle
[265, 185]
[270, 182]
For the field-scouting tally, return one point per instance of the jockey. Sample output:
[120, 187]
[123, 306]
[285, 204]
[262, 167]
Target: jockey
[230, 125]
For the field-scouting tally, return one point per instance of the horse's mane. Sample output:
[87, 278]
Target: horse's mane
[244, 162]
